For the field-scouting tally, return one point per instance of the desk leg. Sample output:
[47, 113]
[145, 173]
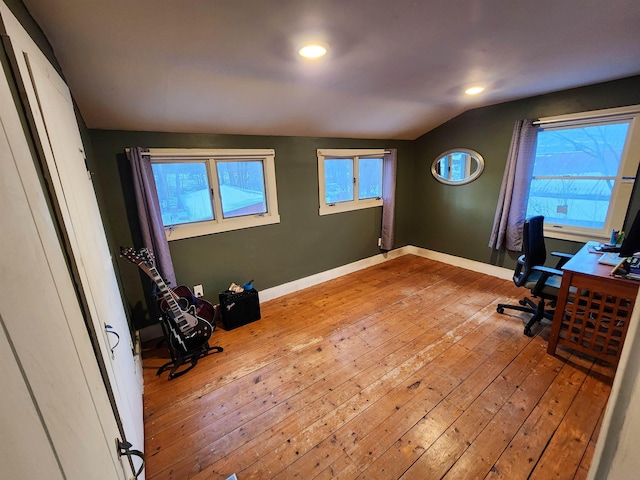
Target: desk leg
[561, 304]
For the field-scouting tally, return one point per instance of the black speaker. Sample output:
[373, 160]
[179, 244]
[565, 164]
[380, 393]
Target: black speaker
[238, 309]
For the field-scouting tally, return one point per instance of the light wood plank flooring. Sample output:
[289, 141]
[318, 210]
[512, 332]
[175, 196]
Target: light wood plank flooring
[400, 371]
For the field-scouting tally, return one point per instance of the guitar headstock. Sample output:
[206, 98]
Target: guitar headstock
[142, 256]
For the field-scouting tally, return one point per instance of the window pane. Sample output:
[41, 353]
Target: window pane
[183, 192]
[578, 203]
[585, 162]
[338, 180]
[592, 151]
[242, 188]
[369, 178]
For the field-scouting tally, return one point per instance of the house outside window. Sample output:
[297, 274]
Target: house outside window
[584, 171]
[349, 179]
[211, 191]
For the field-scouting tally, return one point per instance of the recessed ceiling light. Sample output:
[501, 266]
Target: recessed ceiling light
[313, 50]
[474, 90]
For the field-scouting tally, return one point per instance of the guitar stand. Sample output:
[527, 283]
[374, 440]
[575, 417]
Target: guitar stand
[180, 359]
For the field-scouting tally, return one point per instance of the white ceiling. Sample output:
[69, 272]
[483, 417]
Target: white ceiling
[396, 68]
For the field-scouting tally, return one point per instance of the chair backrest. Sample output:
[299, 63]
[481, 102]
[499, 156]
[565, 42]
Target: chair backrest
[533, 249]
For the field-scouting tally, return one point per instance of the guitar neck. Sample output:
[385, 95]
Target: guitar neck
[153, 273]
[168, 295]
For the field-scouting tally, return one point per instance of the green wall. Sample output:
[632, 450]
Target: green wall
[457, 219]
[302, 244]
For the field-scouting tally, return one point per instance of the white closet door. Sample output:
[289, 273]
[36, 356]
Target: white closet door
[77, 201]
[51, 106]
[19, 419]
[57, 417]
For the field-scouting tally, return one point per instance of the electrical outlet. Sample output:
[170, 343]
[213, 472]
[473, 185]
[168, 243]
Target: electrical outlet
[197, 291]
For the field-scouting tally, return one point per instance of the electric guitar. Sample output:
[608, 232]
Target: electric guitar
[193, 331]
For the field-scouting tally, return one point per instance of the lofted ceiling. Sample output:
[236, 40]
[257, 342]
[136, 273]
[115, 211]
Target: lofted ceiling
[395, 68]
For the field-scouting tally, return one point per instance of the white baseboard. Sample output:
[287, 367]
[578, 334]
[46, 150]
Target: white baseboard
[155, 331]
[310, 281]
[480, 267]
[296, 285]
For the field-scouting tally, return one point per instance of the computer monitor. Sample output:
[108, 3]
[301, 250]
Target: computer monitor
[631, 242]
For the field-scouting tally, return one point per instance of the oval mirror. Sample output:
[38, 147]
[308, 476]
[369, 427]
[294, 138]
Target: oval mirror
[457, 166]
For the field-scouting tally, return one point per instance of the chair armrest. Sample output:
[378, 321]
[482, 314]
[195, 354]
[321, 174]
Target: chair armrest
[547, 270]
[519, 276]
[563, 258]
[568, 256]
[545, 273]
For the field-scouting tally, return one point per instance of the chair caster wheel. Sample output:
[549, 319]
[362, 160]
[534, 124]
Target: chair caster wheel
[522, 302]
[500, 310]
[527, 332]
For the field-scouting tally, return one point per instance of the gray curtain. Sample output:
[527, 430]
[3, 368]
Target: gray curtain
[153, 235]
[512, 203]
[389, 167]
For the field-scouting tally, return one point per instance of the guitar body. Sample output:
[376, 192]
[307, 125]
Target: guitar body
[197, 312]
[187, 299]
[193, 341]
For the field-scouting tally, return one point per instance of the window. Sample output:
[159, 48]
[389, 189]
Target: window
[211, 191]
[584, 171]
[349, 180]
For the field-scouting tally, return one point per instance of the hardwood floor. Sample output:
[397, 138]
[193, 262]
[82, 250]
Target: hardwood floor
[400, 371]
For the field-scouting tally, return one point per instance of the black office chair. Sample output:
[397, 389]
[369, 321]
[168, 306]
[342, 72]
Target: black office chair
[530, 273]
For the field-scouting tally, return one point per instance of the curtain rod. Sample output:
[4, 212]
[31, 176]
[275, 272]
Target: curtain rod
[148, 154]
[200, 153]
[593, 115]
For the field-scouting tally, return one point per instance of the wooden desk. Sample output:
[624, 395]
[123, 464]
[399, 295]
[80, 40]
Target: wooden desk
[593, 309]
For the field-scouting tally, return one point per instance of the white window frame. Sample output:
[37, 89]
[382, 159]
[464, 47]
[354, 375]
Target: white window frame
[212, 157]
[355, 204]
[624, 181]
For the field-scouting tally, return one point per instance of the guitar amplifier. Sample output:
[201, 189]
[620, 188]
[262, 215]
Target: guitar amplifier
[237, 309]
